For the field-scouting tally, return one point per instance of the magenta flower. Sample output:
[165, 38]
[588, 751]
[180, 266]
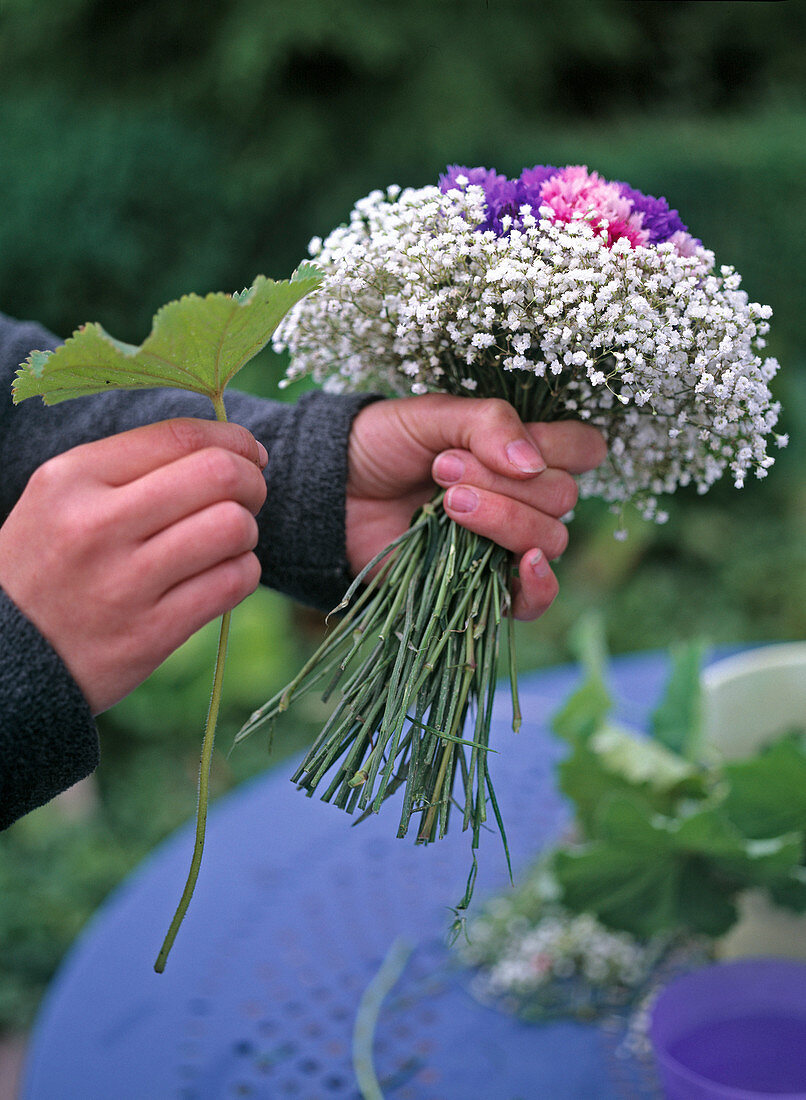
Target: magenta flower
[574, 194]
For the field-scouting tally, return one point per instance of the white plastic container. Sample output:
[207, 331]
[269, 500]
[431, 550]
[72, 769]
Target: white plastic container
[748, 700]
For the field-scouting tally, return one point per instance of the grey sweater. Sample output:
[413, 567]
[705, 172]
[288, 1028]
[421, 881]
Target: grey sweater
[48, 739]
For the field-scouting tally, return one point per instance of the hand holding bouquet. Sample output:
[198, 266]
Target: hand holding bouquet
[566, 296]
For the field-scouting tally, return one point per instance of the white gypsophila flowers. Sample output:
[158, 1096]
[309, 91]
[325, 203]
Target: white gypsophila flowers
[520, 956]
[650, 345]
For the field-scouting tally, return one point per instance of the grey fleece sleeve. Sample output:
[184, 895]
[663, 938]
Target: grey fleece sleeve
[47, 737]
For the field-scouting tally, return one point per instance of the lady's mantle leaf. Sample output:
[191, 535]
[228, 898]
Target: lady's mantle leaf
[589, 705]
[195, 344]
[767, 792]
[646, 873]
[677, 721]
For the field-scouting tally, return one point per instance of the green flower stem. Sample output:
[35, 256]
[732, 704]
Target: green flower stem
[205, 765]
[366, 1019]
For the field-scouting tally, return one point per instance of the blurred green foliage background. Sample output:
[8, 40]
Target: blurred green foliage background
[151, 149]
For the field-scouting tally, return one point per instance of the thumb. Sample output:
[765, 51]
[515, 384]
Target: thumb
[487, 427]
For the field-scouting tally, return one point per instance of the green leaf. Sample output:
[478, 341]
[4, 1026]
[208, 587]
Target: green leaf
[712, 835]
[765, 862]
[790, 892]
[623, 888]
[708, 832]
[767, 793]
[677, 721]
[584, 779]
[614, 761]
[643, 892]
[648, 873]
[635, 827]
[197, 344]
[590, 704]
[703, 902]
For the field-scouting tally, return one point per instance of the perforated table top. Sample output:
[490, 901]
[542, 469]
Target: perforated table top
[293, 915]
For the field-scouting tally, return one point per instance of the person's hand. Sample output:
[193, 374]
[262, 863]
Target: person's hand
[506, 480]
[119, 550]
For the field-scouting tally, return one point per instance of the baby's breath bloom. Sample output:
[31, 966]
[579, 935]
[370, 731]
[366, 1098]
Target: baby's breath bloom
[485, 285]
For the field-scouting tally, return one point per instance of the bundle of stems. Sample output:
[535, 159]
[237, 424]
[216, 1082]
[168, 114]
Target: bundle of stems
[416, 653]
[414, 650]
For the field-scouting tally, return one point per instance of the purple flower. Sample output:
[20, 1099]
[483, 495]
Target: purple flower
[660, 222]
[531, 183]
[502, 199]
[496, 190]
[504, 196]
[487, 177]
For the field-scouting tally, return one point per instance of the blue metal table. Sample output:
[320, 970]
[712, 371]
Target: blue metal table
[294, 913]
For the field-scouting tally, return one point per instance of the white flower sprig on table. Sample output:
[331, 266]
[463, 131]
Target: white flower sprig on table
[568, 296]
[537, 959]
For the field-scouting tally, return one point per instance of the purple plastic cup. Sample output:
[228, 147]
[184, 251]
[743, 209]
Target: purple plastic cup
[733, 1031]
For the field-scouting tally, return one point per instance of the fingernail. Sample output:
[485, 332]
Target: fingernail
[462, 499]
[262, 455]
[538, 564]
[449, 467]
[525, 457]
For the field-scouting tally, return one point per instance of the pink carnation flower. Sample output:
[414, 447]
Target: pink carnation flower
[574, 193]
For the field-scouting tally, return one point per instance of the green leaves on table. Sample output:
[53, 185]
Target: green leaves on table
[666, 838]
[617, 761]
[196, 343]
[648, 873]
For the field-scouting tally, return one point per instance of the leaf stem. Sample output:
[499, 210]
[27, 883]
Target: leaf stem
[204, 794]
[205, 765]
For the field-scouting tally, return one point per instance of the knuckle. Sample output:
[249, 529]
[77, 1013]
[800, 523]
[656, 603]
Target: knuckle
[556, 541]
[565, 494]
[52, 474]
[236, 526]
[221, 469]
[239, 577]
[190, 435]
[497, 411]
[78, 528]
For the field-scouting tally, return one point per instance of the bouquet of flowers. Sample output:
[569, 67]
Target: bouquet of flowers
[567, 296]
